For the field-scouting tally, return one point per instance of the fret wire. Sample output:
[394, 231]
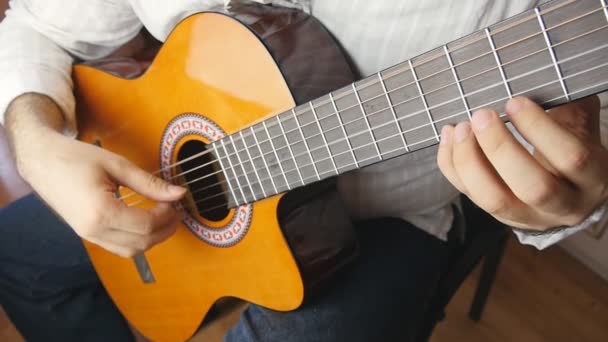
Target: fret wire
[430, 59]
[605, 83]
[314, 166]
[426, 107]
[274, 150]
[224, 171]
[482, 90]
[605, 7]
[484, 105]
[499, 63]
[470, 60]
[314, 113]
[502, 29]
[475, 108]
[552, 52]
[257, 143]
[461, 46]
[350, 147]
[571, 39]
[255, 170]
[390, 104]
[238, 182]
[464, 100]
[371, 133]
[363, 160]
[455, 115]
[395, 73]
[242, 165]
[295, 162]
[475, 75]
[528, 73]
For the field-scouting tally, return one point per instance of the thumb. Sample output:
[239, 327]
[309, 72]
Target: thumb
[144, 183]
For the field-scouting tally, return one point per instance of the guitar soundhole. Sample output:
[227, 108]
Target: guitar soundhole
[207, 195]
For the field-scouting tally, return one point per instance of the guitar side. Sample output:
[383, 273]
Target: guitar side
[226, 69]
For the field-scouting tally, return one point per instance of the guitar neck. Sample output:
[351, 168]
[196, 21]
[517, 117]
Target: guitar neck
[553, 54]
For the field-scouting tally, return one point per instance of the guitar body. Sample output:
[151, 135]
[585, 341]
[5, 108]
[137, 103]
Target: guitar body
[212, 77]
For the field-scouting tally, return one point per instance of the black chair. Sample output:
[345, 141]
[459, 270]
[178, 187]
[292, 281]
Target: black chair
[484, 239]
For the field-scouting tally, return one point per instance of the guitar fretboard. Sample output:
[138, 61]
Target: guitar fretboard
[553, 54]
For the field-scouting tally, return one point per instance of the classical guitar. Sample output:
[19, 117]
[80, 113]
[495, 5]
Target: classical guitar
[247, 106]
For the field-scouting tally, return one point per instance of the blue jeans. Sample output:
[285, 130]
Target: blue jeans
[51, 292]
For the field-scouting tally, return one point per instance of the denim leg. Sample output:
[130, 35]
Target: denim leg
[381, 297]
[48, 286]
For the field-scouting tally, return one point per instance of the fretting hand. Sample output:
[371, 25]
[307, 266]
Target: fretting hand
[560, 184]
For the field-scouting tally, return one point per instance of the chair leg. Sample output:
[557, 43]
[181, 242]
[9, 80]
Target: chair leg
[488, 274]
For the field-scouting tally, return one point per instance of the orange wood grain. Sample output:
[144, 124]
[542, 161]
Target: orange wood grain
[201, 69]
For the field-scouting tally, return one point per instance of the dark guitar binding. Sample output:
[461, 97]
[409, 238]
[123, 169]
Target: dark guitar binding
[313, 218]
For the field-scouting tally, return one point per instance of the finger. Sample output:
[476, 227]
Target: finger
[112, 248]
[444, 158]
[526, 178]
[137, 242]
[484, 186]
[140, 181]
[561, 148]
[127, 244]
[141, 221]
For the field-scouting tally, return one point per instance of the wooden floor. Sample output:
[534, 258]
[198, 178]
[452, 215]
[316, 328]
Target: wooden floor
[544, 296]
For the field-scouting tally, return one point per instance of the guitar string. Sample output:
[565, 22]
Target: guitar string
[428, 60]
[426, 94]
[379, 111]
[388, 123]
[394, 73]
[419, 142]
[405, 117]
[331, 173]
[365, 131]
[425, 125]
[377, 81]
[567, 94]
[320, 119]
[422, 62]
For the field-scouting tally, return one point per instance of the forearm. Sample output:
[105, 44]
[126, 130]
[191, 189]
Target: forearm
[30, 120]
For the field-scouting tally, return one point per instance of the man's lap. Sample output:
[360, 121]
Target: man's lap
[44, 273]
[47, 284]
[380, 297]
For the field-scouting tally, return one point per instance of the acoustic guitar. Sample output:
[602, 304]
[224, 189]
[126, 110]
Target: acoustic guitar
[249, 105]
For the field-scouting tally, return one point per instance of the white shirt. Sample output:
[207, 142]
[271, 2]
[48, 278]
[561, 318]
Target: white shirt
[41, 39]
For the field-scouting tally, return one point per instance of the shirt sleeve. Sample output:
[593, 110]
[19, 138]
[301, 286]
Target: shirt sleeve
[41, 39]
[544, 240]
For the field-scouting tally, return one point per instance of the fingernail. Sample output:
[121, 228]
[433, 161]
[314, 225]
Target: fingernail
[178, 190]
[481, 119]
[514, 106]
[446, 135]
[462, 131]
